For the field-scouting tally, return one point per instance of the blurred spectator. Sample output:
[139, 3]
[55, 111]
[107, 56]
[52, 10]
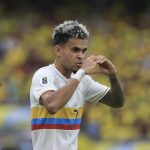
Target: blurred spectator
[143, 127]
[8, 43]
[91, 128]
[12, 90]
[33, 62]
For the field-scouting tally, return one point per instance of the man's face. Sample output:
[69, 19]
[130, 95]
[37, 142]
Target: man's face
[72, 54]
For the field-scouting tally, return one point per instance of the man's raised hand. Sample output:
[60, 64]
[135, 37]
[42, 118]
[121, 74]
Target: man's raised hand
[98, 64]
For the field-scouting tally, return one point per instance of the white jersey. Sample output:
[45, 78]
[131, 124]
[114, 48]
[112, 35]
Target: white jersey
[60, 131]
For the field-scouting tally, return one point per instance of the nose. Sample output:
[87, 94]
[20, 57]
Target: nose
[81, 55]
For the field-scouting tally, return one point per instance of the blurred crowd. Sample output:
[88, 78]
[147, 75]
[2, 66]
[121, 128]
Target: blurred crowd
[25, 46]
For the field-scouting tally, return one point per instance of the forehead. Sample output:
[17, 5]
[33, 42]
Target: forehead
[81, 43]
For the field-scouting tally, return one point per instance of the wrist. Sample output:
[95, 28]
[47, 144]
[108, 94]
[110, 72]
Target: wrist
[79, 75]
[112, 76]
[87, 71]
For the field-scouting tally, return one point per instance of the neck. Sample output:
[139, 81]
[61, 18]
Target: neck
[64, 71]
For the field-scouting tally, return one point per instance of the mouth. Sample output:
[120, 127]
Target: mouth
[79, 64]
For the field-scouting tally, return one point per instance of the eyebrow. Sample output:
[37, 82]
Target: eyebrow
[78, 48]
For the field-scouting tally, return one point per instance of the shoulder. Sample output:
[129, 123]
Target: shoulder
[87, 79]
[43, 70]
[43, 76]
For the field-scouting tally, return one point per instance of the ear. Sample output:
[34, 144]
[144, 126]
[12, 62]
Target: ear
[57, 50]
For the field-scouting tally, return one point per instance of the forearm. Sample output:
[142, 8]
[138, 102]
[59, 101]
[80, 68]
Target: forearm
[55, 100]
[60, 97]
[116, 93]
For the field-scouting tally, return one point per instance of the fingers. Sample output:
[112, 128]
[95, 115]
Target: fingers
[92, 58]
[97, 59]
[101, 59]
[105, 66]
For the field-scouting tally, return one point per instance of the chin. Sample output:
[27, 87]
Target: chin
[75, 70]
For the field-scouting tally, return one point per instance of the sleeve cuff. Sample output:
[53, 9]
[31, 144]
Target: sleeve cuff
[96, 98]
[38, 94]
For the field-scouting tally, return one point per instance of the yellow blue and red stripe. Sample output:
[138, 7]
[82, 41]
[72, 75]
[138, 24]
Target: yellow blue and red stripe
[64, 119]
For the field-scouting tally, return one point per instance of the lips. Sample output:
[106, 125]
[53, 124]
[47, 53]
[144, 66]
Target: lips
[79, 64]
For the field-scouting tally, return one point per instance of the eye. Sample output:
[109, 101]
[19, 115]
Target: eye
[84, 50]
[76, 49]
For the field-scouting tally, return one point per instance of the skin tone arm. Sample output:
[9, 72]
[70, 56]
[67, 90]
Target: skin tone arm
[115, 96]
[54, 101]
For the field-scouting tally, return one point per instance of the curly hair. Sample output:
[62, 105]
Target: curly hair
[67, 30]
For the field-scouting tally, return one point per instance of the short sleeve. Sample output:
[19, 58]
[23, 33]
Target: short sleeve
[94, 91]
[42, 81]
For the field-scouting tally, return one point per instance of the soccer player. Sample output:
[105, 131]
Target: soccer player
[60, 90]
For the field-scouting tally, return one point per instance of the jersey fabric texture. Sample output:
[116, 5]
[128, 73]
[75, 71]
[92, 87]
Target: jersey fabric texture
[60, 131]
